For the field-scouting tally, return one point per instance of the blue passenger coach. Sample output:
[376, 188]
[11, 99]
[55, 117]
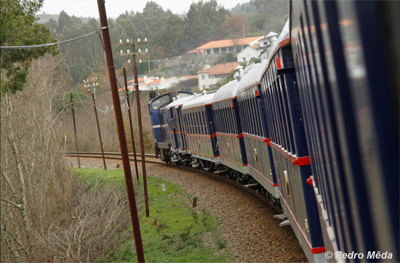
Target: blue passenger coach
[200, 129]
[289, 149]
[346, 70]
[255, 129]
[228, 128]
[159, 122]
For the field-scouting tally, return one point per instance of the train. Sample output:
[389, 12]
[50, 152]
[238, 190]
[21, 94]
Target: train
[315, 127]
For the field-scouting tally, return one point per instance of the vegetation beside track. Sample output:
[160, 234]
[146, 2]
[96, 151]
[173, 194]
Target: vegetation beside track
[174, 232]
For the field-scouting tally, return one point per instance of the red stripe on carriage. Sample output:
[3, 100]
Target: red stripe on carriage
[309, 181]
[302, 161]
[239, 135]
[278, 63]
[317, 250]
[275, 185]
[215, 156]
[256, 93]
[268, 141]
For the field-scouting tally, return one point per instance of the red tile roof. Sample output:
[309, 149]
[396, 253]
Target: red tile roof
[220, 69]
[191, 77]
[225, 43]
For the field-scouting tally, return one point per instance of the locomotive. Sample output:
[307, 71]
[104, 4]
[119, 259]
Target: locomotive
[315, 127]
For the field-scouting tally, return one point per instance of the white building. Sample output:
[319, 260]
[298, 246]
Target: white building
[225, 46]
[209, 77]
[248, 53]
[268, 44]
[261, 50]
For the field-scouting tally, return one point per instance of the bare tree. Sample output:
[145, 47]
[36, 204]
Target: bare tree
[46, 213]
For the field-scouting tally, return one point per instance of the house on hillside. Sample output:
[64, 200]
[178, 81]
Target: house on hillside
[269, 42]
[208, 78]
[262, 47]
[225, 46]
[248, 53]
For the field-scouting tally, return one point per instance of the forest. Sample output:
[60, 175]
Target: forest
[168, 34]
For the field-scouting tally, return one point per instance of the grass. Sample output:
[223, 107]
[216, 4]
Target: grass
[174, 232]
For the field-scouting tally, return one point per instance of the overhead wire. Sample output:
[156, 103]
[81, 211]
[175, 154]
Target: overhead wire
[51, 44]
[97, 31]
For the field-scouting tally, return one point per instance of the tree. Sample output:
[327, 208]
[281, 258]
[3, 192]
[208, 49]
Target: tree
[19, 27]
[172, 37]
[203, 22]
[235, 26]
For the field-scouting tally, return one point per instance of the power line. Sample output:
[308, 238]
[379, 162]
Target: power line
[50, 44]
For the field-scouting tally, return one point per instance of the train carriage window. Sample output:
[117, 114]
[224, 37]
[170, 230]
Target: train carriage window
[243, 114]
[252, 112]
[269, 125]
[189, 122]
[246, 117]
[258, 116]
[190, 118]
[234, 121]
[203, 131]
[200, 121]
[206, 131]
[287, 115]
[283, 113]
[199, 127]
[234, 126]
[255, 111]
[251, 109]
[196, 122]
[203, 121]
[229, 119]
[193, 121]
[272, 112]
[290, 121]
[217, 120]
[225, 120]
[276, 113]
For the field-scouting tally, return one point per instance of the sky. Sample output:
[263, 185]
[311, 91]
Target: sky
[88, 8]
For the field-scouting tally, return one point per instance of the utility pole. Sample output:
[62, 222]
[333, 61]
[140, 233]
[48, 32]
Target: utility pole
[128, 103]
[139, 113]
[92, 89]
[73, 119]
[121, 134]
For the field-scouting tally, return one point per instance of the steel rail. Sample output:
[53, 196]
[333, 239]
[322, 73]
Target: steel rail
[110, 156]
[249, 190]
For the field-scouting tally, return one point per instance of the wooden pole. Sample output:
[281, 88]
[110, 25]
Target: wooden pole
[121, 134]
[131, 126]
[98, 128]
[73, 119]
[139, 113]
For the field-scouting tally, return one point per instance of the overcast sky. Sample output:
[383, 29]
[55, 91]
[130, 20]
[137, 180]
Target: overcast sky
[88, 8]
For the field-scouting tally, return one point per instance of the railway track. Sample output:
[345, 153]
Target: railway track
[151, 158]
